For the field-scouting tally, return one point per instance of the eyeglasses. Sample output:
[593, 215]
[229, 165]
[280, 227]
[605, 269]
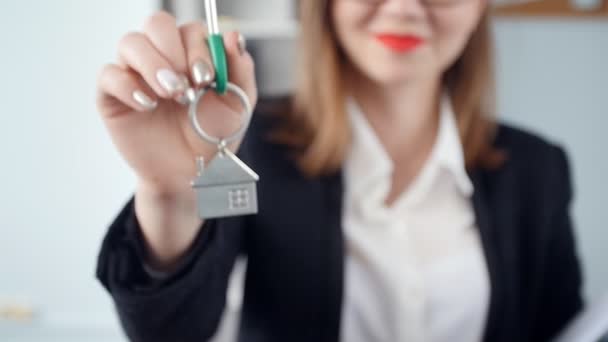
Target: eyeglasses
[435, 3]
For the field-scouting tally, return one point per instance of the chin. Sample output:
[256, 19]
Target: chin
[393, 71]
[395, 76]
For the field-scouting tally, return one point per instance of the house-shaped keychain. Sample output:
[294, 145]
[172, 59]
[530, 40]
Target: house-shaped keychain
[225, 187]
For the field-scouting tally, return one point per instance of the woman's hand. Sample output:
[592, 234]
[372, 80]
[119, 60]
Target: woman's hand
[139, 101]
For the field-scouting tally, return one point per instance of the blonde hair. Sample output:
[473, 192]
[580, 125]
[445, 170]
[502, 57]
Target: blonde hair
[315, 123]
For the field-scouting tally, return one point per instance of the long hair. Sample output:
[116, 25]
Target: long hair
[316, 124]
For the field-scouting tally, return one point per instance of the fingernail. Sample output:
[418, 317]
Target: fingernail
[182, 99]
[170, 81]
[187, 97]
[201, 73]
[144, 100]
[185, 80]
[242, 44]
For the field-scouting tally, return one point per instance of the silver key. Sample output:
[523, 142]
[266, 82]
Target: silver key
[227, 186]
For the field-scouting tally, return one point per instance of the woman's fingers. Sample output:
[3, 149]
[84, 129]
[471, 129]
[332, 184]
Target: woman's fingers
[194, 38]
[117, 84]
[240, 63]
[138, 53]
[164, 54]
[161, 30]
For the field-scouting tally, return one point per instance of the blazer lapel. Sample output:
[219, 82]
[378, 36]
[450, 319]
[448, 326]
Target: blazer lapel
[334, 255]
[490, 244]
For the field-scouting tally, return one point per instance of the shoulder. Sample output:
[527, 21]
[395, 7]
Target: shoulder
[525, 143]
[529, 150]
[266, 117]
[536, 165]
[259, 148]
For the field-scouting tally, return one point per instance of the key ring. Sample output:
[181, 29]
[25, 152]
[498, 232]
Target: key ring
[225, 186]
[194, 98]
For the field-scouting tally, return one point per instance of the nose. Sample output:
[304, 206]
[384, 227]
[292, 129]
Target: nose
[412, 9]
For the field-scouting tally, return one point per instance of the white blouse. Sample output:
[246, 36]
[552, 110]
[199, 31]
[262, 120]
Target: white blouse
[414, 271]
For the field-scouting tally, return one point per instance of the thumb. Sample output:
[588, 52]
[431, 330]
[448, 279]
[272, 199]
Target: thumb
[240, 65]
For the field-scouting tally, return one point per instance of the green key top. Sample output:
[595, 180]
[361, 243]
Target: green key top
[215, 41]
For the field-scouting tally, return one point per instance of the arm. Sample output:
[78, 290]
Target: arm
[188, 304]
[137, 102]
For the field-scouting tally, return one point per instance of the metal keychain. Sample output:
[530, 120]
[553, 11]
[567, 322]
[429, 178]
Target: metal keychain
[226, 186]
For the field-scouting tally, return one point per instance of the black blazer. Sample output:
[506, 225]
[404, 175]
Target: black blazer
[295, 251]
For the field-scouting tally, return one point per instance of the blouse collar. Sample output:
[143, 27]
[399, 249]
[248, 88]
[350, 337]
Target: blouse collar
[368, 163]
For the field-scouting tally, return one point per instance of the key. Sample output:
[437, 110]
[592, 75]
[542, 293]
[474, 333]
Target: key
[215, 41]
[226, 186]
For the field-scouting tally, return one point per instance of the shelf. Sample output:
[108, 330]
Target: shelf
[552, 8]
[258, 29]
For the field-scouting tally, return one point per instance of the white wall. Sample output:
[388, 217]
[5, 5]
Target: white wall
[553, 79]
[62, 180]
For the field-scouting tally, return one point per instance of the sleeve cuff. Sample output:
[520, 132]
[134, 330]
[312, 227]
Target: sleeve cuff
[125, 240]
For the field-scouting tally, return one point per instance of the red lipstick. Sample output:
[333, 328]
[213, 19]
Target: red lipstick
[400, 43]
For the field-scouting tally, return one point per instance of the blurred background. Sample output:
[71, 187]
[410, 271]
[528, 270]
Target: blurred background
[63, 181]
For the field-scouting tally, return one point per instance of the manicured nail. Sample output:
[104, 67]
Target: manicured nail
[170, 81]
[187, 97]
[201, 72]
[185, 80]
[144, 100]
[242, 44]
[182, 99]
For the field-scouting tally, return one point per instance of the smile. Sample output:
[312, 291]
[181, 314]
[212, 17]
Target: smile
[400, 43]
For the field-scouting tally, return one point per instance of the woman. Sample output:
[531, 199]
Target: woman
[391, 206]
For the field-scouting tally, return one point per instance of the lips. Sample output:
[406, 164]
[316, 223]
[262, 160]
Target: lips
[400, 43]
